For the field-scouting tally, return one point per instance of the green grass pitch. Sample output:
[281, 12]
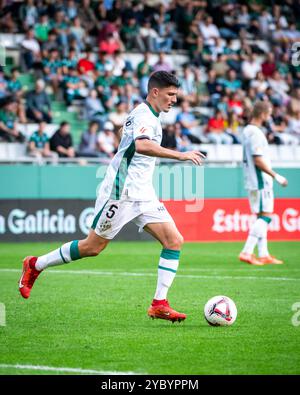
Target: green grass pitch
[91, 314]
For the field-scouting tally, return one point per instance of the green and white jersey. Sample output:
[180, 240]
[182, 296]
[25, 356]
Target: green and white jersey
[255, 144]
[129, 175]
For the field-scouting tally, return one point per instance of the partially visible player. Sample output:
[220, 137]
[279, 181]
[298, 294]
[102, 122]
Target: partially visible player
[127, 194]
[259, 177]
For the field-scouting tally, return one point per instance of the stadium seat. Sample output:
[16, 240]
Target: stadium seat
[16, 150]
[273, 150]
[223, 152]
[3, 151]
[297, 153]
[210, 150]
[237, 152]
[286, 152]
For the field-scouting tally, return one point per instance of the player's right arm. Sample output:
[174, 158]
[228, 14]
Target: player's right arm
[261, 164]
[147, 147]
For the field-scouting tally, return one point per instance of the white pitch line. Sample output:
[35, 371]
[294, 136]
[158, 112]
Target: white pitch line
[63, 370]
[135, 274]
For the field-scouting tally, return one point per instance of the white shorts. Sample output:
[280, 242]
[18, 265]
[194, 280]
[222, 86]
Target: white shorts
[261, 200]
[112, 215]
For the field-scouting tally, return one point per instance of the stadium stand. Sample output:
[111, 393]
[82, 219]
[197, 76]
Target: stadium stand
[226, 55]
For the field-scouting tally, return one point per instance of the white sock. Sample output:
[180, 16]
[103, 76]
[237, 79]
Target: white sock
[256, 232]
[168, 264]
[66, 253]
[250, 244]
[262, 246]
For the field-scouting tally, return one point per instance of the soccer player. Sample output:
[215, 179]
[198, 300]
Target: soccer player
[127, 194]
[259, 184]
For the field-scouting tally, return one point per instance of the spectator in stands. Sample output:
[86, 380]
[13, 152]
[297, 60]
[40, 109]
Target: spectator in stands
[149, 36]
[86, 67]
[39, 146]
[61, 27]
[94, 109]
[74, 87]
[28, 14]
[8, 122]
[269, 65]
[78, 33]
[87, 17]
[15, 90]
[259, 82]
[162, 64]
[62, 143]
[144, 70]
[38, 104]
[214, 87]
[130, 95]
[187, 90]
[231, 83]
[188, 122]
[250, 67]
[42, 28]
[110, 45]
[71, 10]
[51, 43]
[130, 35]
[235, 103]
[220, 66]
[103, 63]
[107, 140]
[232, 127]
[7, 22]
[118, 117]
[30, 50]
[209, 31]
[216, 130]
[169, 138]
[70, 61]
[279, 86]
[89, 145]
[14, 85]
[3, 84]
[52, 70]
[166, 33]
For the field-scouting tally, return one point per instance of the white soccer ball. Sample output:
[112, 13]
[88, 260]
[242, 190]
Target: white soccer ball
[220, 311]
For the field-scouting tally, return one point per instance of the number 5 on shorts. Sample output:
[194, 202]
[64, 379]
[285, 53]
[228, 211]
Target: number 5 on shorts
[111, 211]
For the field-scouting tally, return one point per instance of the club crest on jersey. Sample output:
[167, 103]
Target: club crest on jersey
[105, 225]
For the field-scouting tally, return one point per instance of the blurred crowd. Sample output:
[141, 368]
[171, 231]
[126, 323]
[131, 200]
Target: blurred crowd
[238, 52]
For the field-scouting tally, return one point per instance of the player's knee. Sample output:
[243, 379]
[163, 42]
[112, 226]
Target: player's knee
[175, 243]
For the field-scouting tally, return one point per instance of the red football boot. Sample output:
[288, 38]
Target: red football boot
[161, 309]
[29, 275]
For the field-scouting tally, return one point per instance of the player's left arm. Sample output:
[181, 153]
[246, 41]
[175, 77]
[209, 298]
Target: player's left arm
[261, 164]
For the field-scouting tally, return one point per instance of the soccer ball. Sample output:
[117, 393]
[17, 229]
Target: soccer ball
[220, 311]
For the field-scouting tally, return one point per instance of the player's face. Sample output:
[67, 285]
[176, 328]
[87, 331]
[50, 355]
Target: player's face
[166, 98]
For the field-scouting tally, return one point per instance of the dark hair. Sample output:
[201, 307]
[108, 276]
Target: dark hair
[63, 123]
[162, 79]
